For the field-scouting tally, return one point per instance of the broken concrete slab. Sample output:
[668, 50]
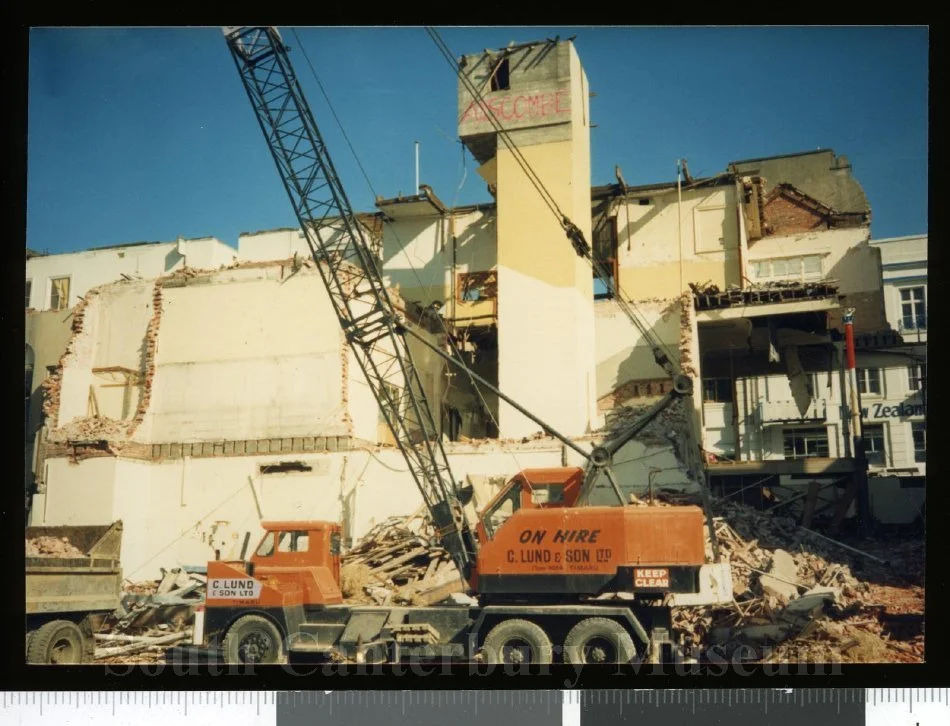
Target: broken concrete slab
[783, 571]
[817, 596]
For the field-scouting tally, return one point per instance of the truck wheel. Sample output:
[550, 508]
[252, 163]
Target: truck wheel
[598, 640]
[58, 642]
[253, 639]
[517, 641]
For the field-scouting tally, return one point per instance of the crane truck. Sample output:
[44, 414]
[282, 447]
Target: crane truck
[540, 558]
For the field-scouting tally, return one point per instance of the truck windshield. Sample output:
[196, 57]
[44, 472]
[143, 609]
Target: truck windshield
[266, 547]
[503, 509]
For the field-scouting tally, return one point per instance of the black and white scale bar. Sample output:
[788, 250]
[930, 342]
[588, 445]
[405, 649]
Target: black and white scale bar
[759, 706]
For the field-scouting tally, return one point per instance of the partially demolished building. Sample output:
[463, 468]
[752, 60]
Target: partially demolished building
[197, 402]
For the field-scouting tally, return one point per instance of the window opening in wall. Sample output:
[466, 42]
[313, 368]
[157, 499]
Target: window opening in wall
[29, 289]
[644, 202]
[913, 308]
[918, 430]
[805, 443]
[284, 467]
[605, 252]
[500, 75]
[869, 381]
[476, 286]
[874, 444]
[717, 390]
[59, 293]
[807, 267]
[917, 376]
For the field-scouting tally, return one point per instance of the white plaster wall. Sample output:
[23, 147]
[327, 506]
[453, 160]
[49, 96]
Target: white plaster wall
[622, 354]
[91, 268]
[206, 253]
[77, 367]
[648, 234]
[258, 357]
[277, 244]
[417, 252]
[81, 493]
[281, 244]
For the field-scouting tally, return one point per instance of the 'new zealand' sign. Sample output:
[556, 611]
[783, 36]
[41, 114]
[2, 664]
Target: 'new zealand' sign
[901, 410]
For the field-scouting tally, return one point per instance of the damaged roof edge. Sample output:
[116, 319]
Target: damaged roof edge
[607, 190]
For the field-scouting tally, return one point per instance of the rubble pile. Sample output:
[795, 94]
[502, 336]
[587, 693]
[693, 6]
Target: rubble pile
[90, 428]
[672, 421]
[153, 615]
[51, 547]
[796, 597]
[396, 562]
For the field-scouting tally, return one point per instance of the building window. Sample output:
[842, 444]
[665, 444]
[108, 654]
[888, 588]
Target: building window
[59, 293]
[874, 444]
[500, 75]
[29, 289]
[807, 267]
[917, 376]
[869, 381]
[605, 253]
[717, 390]
[913, 308]
[476, 286]
[805, 443]
[919, 432]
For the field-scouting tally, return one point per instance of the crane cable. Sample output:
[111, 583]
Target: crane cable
[581, 246]
[453, 348]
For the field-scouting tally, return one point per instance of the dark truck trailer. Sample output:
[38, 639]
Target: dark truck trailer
[68, 597]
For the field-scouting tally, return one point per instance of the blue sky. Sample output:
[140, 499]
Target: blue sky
[146, 134]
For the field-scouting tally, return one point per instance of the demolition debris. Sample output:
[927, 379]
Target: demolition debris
[397, 563]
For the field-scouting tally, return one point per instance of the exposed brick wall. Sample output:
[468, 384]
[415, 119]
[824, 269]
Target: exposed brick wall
[687, 313]
[151, 347]
[640, 388]
[52, 384]
[788, 216]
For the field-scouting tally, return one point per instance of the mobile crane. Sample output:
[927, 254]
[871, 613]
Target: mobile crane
[540, 553]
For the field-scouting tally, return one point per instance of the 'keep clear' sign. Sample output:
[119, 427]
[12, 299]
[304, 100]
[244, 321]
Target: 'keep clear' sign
[234, 589]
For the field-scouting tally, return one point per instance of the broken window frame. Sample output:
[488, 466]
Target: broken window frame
[484, 282]
[500, 78]
[913, 307]
[59, 298]
[875, 446]
[868, 376]
[918, 433]
[814, 443]
[607, 230]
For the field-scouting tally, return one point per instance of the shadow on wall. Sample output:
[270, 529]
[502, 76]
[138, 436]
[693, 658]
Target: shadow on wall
[859, 274]
[475, 247]
[172, 259]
